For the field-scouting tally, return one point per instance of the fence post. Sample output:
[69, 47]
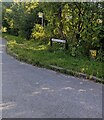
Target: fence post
[51, 41]
[66, 45]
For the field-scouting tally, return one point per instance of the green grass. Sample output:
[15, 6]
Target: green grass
[40, 53]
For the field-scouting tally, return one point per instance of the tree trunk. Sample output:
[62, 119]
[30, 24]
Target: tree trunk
[60, 23]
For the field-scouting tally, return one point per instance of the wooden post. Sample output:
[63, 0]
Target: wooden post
[66, 45]
[50, 41]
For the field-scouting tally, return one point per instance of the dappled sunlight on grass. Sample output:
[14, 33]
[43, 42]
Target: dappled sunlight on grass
[82, 69]
[12, 42]
[35, 49]
[40, 53]
[40, 47]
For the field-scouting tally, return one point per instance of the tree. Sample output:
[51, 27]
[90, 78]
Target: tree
[73, 21]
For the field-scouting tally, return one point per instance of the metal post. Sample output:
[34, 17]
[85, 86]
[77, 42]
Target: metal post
[42, 21]
[40, 14]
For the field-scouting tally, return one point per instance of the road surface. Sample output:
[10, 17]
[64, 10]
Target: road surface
[32, 92]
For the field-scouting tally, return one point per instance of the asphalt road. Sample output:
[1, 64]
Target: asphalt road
[32, 92]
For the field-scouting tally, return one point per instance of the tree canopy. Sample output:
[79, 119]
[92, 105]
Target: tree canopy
[81, 23]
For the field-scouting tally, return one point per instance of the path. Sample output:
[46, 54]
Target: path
[32, 92]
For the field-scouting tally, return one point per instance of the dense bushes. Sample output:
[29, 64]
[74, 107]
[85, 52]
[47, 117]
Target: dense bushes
[80, 23]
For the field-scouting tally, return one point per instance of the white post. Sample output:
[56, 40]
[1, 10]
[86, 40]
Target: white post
[42, 21]
[40, 14]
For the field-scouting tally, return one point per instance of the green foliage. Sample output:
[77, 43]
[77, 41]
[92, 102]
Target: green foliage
[41, 54]
[81, 23]
[38, 32]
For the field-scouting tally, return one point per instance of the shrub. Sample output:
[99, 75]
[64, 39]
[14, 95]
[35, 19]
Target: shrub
[38, 32]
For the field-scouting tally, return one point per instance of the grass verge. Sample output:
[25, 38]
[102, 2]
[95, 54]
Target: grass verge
[39, 53]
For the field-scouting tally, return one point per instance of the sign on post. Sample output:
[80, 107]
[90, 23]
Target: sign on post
[40, 14]
[59, 40]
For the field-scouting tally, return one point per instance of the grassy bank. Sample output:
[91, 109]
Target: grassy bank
[40, 53]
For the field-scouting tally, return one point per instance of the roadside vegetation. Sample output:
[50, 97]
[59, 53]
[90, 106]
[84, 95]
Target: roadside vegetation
[41, 54]
[28, 27]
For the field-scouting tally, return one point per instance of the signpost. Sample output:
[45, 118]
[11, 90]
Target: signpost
[59, 40]
[40, 14]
